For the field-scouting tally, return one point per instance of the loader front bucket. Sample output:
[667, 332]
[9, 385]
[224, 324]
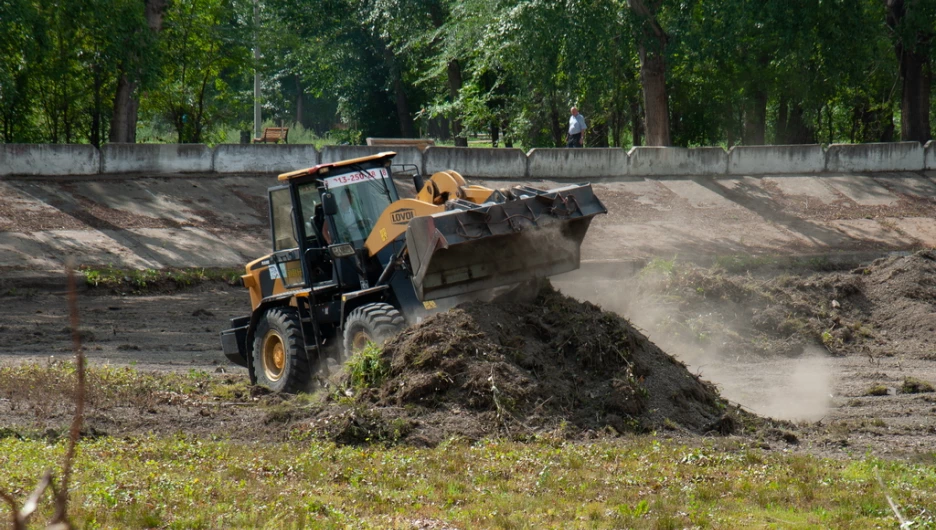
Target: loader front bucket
[472, 247]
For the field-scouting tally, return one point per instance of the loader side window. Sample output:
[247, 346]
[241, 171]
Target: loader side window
[281, 216]
[310, 199]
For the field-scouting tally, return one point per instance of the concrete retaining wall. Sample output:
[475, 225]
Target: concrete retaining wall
[260, 158]
[49, 159]
[405, 154]
[776, 159]
[476, 162]
[667, 161]
[899, 156]
[155, 158]
[576, 163]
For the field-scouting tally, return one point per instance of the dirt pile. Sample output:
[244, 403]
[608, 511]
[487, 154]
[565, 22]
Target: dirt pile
[892, 302]
[879, 310]
[555, 365]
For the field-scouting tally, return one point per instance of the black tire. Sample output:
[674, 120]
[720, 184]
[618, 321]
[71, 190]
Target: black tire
[279, 356]
[375, 322]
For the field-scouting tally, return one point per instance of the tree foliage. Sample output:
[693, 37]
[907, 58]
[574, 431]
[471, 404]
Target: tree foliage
[693, 72]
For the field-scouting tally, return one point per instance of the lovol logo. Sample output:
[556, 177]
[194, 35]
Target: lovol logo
[402, 216]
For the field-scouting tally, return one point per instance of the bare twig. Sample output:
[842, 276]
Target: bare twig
[32, 503]
[18, 523]
[61, 499]
[903, 522]
[20, 516]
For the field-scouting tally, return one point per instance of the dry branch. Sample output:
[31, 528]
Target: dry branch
[20, 516]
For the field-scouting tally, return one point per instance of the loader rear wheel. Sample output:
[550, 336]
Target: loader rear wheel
[279, 356]
[375, 322]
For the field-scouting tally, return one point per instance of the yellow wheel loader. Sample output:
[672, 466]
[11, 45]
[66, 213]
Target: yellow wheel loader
[352, 262]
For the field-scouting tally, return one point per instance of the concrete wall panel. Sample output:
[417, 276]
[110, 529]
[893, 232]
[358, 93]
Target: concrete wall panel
[576, 163]
[667, 161]
[898, 156]
[405, 154]
[776, 159]
[49, 159]
[476, 162]
[260, 158]
[156, 158]
[929, 157]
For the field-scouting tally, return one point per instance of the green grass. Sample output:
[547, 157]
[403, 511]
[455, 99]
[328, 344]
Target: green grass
[183, 482]
[145, 280]
[50, 387]
[659, 266]
[641, 483]
[913, 385]
[366, 369]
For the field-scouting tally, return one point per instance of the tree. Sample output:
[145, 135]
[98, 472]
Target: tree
[20, 51]
[347, 55]
[652, 43]
[205, 48]
[913, 25]
[139, 61]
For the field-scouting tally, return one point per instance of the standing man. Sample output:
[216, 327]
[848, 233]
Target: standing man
[576, 129]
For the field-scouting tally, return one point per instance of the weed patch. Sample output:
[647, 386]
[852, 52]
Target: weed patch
[912, 385]
[142, 281]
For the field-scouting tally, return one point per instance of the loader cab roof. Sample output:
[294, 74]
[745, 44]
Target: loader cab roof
[323, 170]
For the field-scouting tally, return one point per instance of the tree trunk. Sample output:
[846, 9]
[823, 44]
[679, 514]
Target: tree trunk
[556, 125]
[495, 134]
[652, 50]
[402, 106]
[95, 136]
[299, 96]
[797, 130]
[126, 103]
[916, 76]
[399, 95]
[636, 124]
[653, 79]
[508, 139]
[783, 111]
[123, 123]
[597, 135]
[755, 119]
[438, 128]
[439, 14]
[455, 84]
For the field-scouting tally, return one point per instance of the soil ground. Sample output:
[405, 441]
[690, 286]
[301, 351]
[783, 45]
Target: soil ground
[813, 345]
[845, 356]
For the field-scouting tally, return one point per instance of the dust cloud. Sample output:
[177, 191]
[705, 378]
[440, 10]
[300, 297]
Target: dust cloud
[773, 384]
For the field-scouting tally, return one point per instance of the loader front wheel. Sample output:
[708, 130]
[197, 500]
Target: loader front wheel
[375, 322]
[279, 356]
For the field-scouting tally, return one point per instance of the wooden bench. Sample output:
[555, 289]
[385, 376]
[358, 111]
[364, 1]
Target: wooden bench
[273, 134]
[420, 143]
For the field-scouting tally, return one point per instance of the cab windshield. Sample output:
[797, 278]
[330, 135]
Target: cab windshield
[361, 197]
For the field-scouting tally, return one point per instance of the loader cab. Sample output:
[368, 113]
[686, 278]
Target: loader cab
[321, 217]
[357, 199]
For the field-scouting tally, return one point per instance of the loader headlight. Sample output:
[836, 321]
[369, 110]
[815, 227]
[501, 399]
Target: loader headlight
[341, 250]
